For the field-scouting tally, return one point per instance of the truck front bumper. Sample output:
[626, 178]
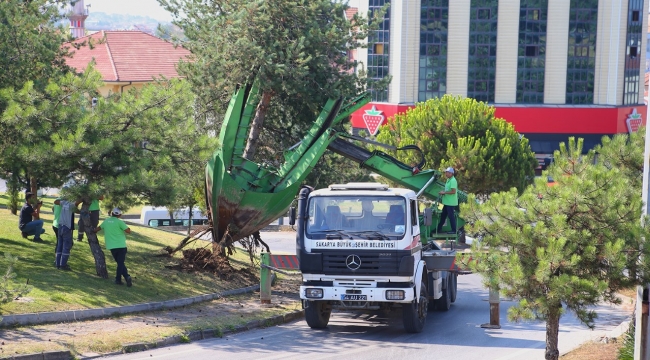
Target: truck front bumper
[358, 294]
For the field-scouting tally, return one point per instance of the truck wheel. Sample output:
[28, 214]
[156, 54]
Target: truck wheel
[454, 287]
[444, 303]
[415, 314]
[317, 314]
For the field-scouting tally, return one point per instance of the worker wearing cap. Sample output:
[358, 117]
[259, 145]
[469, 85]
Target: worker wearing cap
[29, 221]
[449, 201]
[115, 231]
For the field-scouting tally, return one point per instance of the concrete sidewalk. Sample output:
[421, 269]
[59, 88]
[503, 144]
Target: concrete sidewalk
[102, 315]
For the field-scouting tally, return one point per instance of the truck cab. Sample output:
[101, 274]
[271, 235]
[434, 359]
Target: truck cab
[359, 248]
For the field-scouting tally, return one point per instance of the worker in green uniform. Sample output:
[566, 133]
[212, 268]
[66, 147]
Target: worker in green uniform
[449, 201]
[115, 231]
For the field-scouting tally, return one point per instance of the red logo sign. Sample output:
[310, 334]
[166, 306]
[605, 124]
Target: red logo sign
[373, 118]
[634, 121]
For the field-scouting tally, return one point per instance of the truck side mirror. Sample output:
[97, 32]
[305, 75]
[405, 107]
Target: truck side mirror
[428, 215]
[292, 216]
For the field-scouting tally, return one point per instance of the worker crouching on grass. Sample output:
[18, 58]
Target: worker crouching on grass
[115, 231]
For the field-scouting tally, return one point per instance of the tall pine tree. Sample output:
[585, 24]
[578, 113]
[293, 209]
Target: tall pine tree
[565, 247]
[296, 49]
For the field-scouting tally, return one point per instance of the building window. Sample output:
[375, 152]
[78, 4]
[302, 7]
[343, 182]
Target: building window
[482, 61]
[633, 38]
[581, 56]
[532, 51]
[378, 50]
[434, 20]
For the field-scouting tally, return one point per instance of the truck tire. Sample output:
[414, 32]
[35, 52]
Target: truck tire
[317, 314]
[444, 303]
[454, 287]
[415, 314]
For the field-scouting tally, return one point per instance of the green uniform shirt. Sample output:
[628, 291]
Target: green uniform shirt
[450, 199]
[56, 209]
[114, 233]
[94, 205]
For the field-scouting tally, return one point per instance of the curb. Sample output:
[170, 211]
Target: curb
[86, 314]
[210, 333]
[172, 340]
[48, 355]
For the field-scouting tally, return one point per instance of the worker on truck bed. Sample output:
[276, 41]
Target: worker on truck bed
[449, 201]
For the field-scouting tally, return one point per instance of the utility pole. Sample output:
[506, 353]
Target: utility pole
[641, 346]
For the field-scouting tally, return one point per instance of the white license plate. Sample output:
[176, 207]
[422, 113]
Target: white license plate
[350, 297]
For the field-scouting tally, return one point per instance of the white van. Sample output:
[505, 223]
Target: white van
[159, 216]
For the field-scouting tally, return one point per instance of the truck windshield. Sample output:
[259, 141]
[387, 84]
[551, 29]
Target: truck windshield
[362, 217]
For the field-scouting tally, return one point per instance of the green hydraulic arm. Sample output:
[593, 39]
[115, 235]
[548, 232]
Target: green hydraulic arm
[425, 182]
[243, 196]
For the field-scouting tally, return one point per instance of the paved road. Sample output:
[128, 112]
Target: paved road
[280, 242]
[45, 191]
[453, 335]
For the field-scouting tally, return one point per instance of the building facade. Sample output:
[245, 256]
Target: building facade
[553, 68]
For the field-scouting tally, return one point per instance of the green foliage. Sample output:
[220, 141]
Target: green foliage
[31, 50]
[487, 153]
[297, 49]
[626, 352]
[567, 246]
[624, 152]
[13, 190]
[184, 339]
[102, 146]
[30, 43]
[8, 291]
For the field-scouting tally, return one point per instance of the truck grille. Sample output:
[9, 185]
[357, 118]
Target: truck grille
[372, 263]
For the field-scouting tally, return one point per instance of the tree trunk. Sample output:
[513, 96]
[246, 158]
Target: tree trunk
[93, 242]
[189, 217]
[256, 125]
[13, 190]
[552, 330]
[33, 188]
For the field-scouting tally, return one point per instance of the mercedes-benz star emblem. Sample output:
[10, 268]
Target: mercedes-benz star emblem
[353, 262]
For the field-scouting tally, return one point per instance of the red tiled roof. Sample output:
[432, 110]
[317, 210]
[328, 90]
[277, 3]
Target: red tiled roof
[128, 56]
[350, 12]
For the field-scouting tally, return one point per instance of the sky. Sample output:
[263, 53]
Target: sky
[150, 8]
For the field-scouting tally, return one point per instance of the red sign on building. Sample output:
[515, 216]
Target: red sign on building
[559, 119]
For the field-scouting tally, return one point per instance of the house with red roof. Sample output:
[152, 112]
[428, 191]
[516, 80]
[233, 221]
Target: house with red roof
[128, 58]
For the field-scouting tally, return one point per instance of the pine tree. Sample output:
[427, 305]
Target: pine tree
[30, 48]
[561, 248]
[296, 49]
[102, 146]
[487, 153]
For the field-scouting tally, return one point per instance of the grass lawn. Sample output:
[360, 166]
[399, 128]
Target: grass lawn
[55, 290]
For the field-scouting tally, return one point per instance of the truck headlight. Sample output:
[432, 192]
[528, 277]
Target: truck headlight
[314, 293]
[394, 294]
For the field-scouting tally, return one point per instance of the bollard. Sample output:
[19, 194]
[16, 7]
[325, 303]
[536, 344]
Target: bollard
[265, 279]
[494, 301]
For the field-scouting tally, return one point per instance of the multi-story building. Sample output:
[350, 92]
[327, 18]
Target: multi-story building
[553, 68]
